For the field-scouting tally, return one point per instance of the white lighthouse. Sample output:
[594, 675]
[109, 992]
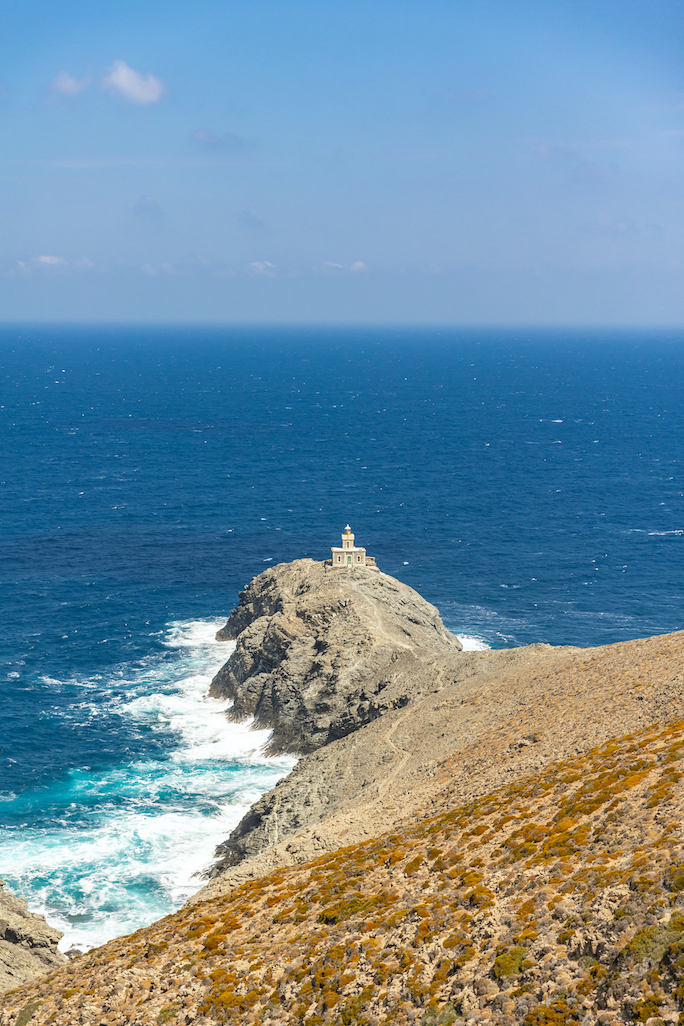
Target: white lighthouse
[350, 555]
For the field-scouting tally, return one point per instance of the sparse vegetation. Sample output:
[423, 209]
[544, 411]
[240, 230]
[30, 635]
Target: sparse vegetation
[416, 921]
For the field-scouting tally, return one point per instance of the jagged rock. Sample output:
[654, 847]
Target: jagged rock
[321, 653]
[28, 946]
[317, 651]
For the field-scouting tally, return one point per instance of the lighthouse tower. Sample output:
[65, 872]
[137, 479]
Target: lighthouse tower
[350, 555]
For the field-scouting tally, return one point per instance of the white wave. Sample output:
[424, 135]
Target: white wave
[642, 530]
[124, 872]
[472, 644]
[193, 633]
[133, 839]
[482, 624]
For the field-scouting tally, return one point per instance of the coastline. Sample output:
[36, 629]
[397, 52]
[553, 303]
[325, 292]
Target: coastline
[455, 834]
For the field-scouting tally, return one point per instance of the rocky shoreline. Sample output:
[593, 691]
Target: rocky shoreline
[482, 837]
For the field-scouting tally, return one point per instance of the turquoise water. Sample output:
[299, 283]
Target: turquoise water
[102, 851]
[528, 484]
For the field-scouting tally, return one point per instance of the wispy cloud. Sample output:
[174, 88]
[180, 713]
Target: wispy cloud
[48, 263]
[133, 85]
[610, 228]
[264, 267]
[226, 143]
[66, 85]
[51, 261]
[584, 160]
[358, 267]
[165, 268]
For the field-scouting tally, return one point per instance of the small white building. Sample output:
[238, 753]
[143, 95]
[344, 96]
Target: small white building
[350, 554]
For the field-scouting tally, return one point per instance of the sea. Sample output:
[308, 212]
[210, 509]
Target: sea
[527, 482]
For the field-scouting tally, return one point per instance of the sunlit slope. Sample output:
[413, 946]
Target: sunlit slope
[556, 896]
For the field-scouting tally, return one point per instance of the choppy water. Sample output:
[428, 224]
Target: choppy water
[103, 850]
[528, 484]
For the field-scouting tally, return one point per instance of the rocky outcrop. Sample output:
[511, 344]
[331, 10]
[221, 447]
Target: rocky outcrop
[28, 946]
[321, 652]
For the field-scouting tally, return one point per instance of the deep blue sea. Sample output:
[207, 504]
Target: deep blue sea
[529, 483]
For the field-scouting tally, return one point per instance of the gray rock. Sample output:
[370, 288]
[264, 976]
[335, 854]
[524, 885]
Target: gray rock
[321, 652]
[28, 946]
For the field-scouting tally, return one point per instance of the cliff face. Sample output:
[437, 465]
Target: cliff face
[319, 651]
[28, 946]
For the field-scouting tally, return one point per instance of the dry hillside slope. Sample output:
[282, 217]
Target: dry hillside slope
[522, 862]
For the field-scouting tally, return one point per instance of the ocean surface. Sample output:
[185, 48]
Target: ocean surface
[528, 483]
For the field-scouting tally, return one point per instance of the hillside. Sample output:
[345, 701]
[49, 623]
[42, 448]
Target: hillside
[518, 859]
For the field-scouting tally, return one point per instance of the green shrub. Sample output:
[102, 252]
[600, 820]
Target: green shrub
[167, 1013]
[509, 963]
[556, 1014]
[646, 1008]
[28, 1011]
[443, 1016]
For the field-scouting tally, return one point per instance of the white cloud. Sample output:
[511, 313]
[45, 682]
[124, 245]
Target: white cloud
[52, 261]
[67, 85]
[358, 266]
[329, 263]
[262, 267]
[133, 85]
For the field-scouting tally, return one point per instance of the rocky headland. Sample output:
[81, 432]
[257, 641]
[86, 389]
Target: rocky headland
[486, 836]
[320, 651]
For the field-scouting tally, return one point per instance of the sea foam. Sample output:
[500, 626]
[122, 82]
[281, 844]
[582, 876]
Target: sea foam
[472, 644]
[123, 847]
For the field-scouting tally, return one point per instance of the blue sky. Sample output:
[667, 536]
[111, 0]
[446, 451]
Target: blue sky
[482, 161]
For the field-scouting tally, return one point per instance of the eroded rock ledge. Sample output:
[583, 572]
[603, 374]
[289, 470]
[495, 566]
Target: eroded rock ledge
[28, 946]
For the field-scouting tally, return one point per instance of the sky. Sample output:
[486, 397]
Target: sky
[462, 162]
